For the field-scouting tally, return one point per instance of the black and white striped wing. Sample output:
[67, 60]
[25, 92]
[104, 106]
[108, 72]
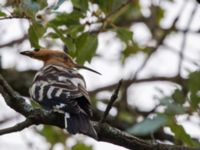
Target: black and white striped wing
[61, 89]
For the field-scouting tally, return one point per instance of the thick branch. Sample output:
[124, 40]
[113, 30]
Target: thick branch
[105, 132]
[14, 78]
[13, 99]
[115, 136]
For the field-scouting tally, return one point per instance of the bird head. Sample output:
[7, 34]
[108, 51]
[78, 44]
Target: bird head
[56, 58]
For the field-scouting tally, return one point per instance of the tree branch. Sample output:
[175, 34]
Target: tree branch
[105, 132]
[112, 100]
[173, 79]
[186, 58]
[18, 127]
[14, 78]
[183, 45]
[16, 41]
[14, 17]
[7, 119]
[160, 41]
[13, 99]
[112, 135]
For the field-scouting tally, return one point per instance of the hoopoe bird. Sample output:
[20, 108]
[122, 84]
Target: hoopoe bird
[58, 86]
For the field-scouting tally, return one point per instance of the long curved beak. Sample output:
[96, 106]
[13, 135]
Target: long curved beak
[83, 67]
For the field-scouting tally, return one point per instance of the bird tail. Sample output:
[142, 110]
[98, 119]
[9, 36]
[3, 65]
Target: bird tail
[79, 123]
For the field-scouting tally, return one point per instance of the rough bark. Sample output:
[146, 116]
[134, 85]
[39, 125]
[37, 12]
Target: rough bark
[105, 132]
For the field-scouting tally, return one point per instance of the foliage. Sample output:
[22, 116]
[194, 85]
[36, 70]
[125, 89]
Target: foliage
[79, 37]
[52, 135]
[148, 125]
[81, 146]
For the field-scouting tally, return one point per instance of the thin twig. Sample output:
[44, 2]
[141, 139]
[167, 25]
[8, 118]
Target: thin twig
[160, 41]
[112, 100]
[119, 8]
[105, 20]
[130, 81]
[187, 58]
[16, 41]
[183, 45]
[18, 127]
[5, 120]
[13, 17]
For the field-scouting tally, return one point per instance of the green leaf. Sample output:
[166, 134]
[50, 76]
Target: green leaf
[194, 81]
[67, 19]
[67, 41]
[53, 135]
[110, 5]
[194, 99]
[178, 96]
[53, 35]
[81, 4]
[125, 35]
[2, 14]
[35, 31]
[172, 107]
[74, 30]
[70, 46]
[133, 49]
[180, 134]
[118, 3]
[81, 146]
[194, 88]
[160, 12]
[105, 5]
[86, 46]
[124, 115]
[42, 4]
[148, 126]
[118, 7]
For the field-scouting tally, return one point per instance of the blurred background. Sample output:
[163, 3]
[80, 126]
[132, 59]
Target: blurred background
[152, 45]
